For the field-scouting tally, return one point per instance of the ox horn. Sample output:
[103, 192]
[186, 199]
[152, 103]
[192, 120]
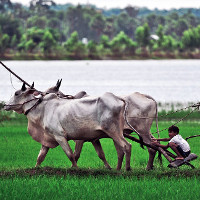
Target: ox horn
[23, 87]
[32, 86]
[58, 84]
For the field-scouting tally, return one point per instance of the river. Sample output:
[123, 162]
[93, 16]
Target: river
[165, 80]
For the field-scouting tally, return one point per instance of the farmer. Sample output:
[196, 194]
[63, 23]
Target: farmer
[176, 143]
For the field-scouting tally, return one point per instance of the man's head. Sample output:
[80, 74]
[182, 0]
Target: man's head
[173, 130]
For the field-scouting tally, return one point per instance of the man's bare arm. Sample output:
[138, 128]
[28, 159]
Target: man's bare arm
[160, 145]
[162, 139]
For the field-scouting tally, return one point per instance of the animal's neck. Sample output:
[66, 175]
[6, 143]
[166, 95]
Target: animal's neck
[31, 105]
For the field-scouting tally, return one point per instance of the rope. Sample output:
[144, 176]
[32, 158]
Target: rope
[12, 82]
[197, 107]
[194, 105]
[193, 136]
[22, 104]
[178, 120]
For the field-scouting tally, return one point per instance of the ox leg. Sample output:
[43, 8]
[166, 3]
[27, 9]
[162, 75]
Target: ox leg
[120, 155]
[147, 138]
[125, 147]
[152, 154]
[42, 154]
[78, 148]
[67, 149]
[100, 153]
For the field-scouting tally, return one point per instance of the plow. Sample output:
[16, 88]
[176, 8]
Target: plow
[167, 154]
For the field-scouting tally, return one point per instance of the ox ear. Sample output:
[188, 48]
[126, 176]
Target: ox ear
[32, 86]
[23, 87]
[58, 84]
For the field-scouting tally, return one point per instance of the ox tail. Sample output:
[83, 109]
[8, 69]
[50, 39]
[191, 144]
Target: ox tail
[133, 129]
[159, 153]
[157, 119]
[149, 97]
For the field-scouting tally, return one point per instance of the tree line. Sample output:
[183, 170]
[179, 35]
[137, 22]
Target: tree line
[84, 32]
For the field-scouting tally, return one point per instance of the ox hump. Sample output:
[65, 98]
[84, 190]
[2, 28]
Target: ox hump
[111, 102]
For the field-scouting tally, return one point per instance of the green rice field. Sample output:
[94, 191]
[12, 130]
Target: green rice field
[55, 179]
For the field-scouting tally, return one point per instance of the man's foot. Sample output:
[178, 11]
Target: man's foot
[179, 158]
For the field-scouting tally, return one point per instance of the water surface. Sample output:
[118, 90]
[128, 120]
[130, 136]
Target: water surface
[165, 80]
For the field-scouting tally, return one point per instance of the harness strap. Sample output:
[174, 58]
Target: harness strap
[36, 104]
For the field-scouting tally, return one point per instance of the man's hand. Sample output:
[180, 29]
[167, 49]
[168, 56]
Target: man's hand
[155, 142]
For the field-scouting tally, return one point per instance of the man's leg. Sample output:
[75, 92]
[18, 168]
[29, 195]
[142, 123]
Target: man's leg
[174, 146]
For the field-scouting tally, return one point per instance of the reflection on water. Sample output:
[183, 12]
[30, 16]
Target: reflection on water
[165, 80]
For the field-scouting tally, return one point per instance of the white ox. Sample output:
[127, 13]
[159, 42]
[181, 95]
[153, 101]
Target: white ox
[141, 111]
[53, 121]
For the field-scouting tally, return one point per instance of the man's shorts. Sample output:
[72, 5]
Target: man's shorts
[184, 154]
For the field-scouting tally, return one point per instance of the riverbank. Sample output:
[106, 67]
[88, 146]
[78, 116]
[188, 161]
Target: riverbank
[158, 55]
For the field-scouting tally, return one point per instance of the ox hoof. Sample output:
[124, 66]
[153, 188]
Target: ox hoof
[108, 167]
[128, 169]
[149, 168]
[37, 166]
[74, 167]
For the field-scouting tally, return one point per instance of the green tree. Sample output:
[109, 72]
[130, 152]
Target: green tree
[169, 43]
[92, 50]
[105, 41]
[160, 34]
[98, 24]
[54, 23]
[143, 35]
[109, 29]
[37, 21]
[32, 39]
[5, 4]
[151, 20]
[181, 27]
[48, 42]
[74, 47]
[79, 19]
[21, 45]
[122, 45]
[126, 24]
[14, 41]
[191, 38]
[10, 26]
[30, 45]
[4, 43]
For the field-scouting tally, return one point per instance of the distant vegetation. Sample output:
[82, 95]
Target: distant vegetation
[45, 30]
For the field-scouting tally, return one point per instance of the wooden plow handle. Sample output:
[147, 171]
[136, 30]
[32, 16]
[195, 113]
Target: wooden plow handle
[166, 154]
